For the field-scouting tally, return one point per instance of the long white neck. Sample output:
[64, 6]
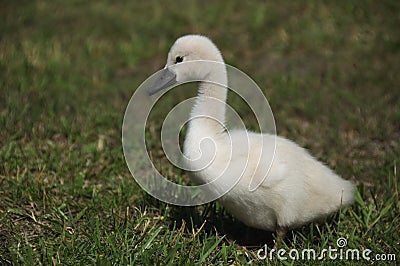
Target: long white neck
[207, 121]
[208, 112]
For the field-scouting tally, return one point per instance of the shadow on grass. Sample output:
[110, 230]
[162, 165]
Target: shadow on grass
[212, 219]
[217, 221]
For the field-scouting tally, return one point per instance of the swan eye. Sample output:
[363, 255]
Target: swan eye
[178, 59]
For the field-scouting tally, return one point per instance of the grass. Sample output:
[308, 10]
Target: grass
[68, 69]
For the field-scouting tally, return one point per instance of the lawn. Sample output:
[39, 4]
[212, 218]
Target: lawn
[330, 71]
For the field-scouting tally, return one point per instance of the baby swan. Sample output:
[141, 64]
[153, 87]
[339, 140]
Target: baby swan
[297, 189]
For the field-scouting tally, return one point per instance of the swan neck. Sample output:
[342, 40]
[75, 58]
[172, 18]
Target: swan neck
[211, 100]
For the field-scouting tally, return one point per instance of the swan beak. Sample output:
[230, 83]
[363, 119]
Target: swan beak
[166, 78]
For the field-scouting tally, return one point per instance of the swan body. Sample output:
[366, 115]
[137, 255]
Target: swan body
[297, 188]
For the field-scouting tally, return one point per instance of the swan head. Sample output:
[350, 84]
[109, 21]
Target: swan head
[188, 48]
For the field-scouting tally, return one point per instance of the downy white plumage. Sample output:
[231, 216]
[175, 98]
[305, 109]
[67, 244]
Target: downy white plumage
[297, 190]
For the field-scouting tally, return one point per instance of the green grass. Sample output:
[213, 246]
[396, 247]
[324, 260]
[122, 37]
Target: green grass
[68, 70]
